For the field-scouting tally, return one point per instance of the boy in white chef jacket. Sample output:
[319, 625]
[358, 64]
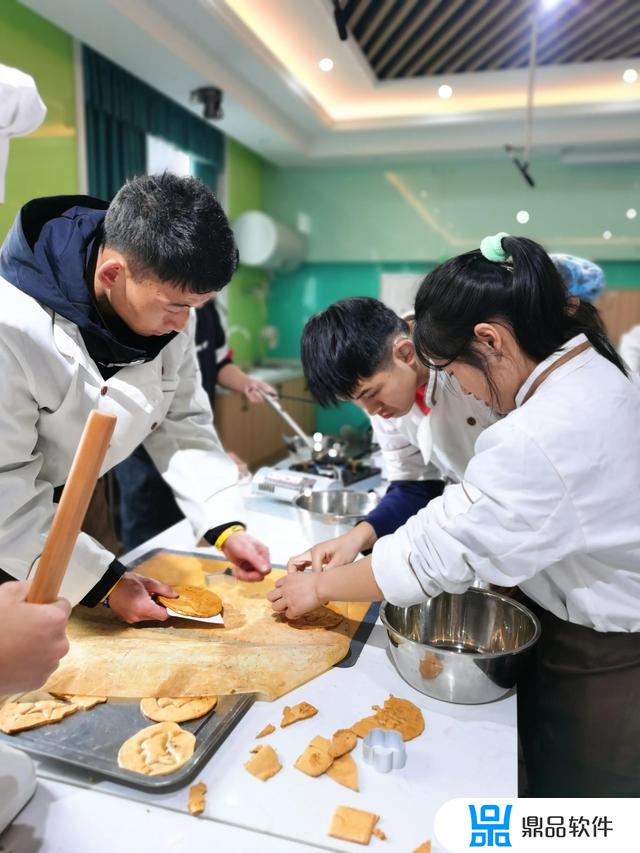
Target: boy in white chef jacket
[358, 349]
[96, 313]
[549, 503]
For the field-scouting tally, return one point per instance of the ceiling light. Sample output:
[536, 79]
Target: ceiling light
[548, 5]
[631, 213]
[522, 216]
[325, 64]
[630, 75]
[445, 91]
[607, 235]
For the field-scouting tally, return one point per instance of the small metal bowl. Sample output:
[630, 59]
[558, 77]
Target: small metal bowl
[467, 648]
[332, 512]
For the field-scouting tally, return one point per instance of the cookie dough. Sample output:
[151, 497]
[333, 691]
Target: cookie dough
[21, 716]
[157, 750]
[264, 763]
[352, 825]
[193, 601]
[177, 710]
[301, 711]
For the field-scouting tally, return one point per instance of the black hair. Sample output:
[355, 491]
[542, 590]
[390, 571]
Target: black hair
[526, 294]
[347, 342]
[173, 228]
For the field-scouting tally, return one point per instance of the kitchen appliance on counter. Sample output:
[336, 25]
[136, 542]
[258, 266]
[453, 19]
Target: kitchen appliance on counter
[325, 456]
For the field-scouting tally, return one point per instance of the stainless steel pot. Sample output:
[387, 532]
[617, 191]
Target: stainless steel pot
[332, 512]
[467, 648]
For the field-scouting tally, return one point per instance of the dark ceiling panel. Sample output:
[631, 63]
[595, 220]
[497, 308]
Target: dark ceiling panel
[415, 38]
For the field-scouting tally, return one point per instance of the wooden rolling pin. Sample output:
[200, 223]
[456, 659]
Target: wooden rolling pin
[72, 508]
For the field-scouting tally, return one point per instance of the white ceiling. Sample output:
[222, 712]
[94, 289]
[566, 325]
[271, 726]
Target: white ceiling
[264, 55]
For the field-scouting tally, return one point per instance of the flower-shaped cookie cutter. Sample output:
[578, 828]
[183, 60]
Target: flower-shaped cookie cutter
[385, 750]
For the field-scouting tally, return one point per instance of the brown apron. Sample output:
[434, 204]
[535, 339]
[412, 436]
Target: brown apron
[579, 702]
[579, 711]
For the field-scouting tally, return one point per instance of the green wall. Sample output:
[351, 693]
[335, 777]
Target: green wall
[248, 289]
[432, 210]
[45, 162]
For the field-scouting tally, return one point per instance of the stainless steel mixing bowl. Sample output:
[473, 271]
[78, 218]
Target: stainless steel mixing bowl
[330, 513]
[467, 648]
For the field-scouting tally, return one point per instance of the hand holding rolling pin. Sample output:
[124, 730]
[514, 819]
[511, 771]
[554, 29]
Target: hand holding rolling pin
[32, 639]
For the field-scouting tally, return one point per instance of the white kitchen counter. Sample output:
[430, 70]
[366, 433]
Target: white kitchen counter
[464, 751]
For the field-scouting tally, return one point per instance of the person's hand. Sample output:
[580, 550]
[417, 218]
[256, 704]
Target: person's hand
[253, 388]
[250, 558]
[32, 639]
[334, 552]
[131, 599]
[296, 594]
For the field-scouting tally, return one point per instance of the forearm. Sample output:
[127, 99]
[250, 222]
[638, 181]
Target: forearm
[363, 536]
[349, 583]
[232, 378]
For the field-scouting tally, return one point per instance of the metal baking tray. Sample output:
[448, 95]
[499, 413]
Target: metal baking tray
[91, 739]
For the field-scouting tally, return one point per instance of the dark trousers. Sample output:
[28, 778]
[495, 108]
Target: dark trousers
[579, 712]
[147, 505]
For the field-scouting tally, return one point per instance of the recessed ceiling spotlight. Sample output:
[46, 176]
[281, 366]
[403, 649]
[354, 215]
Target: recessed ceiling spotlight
[445, 91]
[630, 75]
[522, 216]
[631, 213]
[548, 5]
[325, 64]
[607, 235]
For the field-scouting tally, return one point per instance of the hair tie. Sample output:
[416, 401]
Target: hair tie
[491, 248]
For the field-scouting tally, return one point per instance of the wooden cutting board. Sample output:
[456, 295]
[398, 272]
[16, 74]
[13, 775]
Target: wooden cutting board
[255, 652]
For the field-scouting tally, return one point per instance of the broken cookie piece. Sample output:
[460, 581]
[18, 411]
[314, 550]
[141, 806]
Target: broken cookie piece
[82, 703]
[195, 803]
[316, 759]
[342, 741]
[379, 834]
[352, 825]
[20, 716]
[425, 847]
[397, 715]
[344, 771]
[267, 730]
[264, 763]
[301, 711]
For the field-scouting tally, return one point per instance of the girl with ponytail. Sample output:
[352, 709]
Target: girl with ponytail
[549, 503]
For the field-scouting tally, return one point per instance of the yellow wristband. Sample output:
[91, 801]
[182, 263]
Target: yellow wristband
[105, 597]
[235, 528]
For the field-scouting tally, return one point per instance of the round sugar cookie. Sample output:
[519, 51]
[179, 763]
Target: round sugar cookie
[321, 617]
[193, 601]
[157, 750]
[177, 710]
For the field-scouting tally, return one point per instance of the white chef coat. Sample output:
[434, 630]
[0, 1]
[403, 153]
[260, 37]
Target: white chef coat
[549, 502]
[21, 111]
[630, 348]
[418, 446]
[48, 386]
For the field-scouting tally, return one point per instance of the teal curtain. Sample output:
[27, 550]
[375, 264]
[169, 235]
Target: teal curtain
[121, 111]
